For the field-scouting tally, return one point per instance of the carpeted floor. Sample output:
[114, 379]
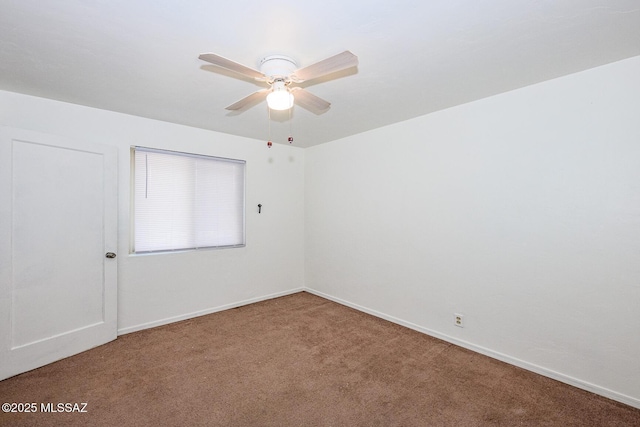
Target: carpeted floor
[298, 360]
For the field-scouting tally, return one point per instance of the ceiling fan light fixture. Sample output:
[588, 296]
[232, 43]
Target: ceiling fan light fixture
[280, 98]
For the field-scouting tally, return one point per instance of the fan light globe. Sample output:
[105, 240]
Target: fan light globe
[280, 100]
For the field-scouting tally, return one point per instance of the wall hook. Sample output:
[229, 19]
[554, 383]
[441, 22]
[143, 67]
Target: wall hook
[259, 208]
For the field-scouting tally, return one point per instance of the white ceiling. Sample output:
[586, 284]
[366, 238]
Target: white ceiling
[141, 56]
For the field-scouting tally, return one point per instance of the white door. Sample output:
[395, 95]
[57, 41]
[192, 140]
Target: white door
[58, 219]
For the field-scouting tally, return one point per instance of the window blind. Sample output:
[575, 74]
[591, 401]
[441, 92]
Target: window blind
[187, 201]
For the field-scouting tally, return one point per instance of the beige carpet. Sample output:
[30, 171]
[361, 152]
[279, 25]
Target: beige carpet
[298, 360]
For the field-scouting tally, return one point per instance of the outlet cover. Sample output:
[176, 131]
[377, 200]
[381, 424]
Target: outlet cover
[458, 320]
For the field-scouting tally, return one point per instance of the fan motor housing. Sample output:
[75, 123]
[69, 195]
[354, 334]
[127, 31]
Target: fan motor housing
[277, 66]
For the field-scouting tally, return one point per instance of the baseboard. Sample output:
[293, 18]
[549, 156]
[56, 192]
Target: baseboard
[610, 394]
[168, 320]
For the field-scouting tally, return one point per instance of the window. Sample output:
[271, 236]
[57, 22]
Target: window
[186, 201]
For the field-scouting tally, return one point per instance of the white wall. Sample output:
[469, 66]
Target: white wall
[520, 211]
[155, 289]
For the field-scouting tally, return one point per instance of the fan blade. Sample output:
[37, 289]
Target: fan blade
[330, 65]
[309, 101]
[252, 99]
[231, 65]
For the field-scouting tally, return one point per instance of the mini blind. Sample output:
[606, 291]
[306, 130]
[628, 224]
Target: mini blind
[186, 201]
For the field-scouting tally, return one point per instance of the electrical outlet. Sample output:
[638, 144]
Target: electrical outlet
[458, 320]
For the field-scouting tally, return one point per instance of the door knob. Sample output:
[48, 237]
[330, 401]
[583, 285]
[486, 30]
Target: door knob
[110, 255]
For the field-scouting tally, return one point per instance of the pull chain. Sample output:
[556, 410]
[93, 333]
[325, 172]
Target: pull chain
[269, 143]
[290, 139]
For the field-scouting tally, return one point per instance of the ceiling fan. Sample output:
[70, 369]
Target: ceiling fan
[280, 73]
